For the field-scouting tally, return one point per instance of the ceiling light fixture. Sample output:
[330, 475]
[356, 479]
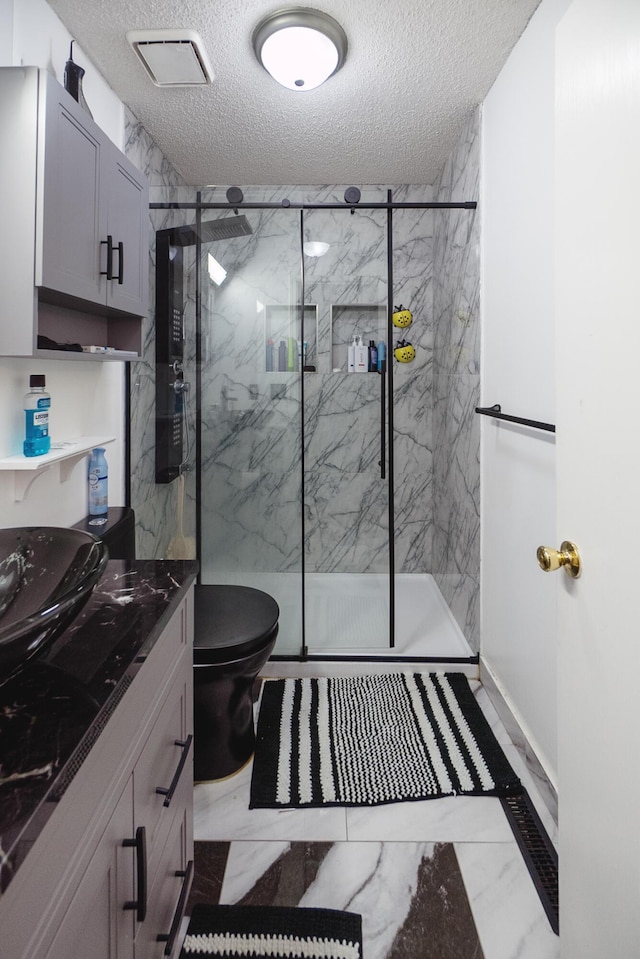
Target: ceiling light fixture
[299, 47]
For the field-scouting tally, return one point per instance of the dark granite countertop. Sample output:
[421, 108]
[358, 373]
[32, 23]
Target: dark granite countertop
[52, 711]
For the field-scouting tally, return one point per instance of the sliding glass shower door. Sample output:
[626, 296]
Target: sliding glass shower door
[295, 477]
[348, 605]
[250, 414]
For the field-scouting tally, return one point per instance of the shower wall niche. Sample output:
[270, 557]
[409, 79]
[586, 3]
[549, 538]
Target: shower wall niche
[368, 320]
[286, 349]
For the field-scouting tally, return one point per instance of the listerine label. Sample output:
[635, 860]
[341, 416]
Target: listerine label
[37, 422]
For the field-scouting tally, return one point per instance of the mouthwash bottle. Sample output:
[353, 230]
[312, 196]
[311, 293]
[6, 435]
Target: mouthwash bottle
[36, 408]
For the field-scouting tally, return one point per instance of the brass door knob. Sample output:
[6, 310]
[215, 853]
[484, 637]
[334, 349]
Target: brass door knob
[567, 556]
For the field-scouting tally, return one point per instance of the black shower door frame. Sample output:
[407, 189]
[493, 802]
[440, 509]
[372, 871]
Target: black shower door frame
[199, 207]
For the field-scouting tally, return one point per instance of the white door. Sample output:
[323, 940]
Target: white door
[598, 448]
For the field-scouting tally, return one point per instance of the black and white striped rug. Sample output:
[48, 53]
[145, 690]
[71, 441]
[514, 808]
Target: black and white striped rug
[368, 740]
[272, 932]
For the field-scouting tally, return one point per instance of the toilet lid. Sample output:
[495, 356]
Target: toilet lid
[238, 618]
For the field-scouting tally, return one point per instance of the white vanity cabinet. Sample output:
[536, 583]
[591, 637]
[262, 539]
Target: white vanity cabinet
[74, 257]
[109, 874]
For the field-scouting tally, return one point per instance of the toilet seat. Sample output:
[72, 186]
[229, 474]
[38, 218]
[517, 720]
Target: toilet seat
[231, 622]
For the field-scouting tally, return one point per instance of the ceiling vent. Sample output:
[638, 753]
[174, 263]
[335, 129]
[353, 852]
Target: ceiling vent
[172, 58]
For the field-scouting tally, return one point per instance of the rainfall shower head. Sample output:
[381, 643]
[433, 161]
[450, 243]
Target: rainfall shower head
[223, 229]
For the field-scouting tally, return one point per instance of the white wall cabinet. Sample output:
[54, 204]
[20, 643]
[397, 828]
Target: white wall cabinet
[109, 874]
[77, 266]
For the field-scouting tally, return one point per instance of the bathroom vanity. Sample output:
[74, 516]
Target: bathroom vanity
[96, 776]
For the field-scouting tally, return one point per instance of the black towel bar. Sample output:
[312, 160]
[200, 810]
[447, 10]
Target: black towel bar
[496, 411]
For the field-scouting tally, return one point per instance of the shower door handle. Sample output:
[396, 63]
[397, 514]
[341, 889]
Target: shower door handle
[383, 420]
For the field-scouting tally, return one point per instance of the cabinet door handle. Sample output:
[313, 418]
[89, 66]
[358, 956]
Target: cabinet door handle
[120, 262]
[170, 937]
[168, 792]
[109, 270]
[140, 845]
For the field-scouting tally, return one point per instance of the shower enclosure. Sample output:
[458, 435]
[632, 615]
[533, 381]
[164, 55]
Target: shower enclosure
[315, 483]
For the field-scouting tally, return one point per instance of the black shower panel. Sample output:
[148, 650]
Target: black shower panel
[170, 338]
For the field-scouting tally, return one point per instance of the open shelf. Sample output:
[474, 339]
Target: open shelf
[67, 454]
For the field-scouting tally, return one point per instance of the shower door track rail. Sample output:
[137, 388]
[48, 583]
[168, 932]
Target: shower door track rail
[350, 658]
[288, 205]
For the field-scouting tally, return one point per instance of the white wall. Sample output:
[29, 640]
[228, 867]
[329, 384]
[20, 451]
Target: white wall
[6, 30]
[88, 398]
[518, 464]
[40, 39]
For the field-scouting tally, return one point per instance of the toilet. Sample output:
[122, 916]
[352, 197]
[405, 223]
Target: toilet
[235, 632]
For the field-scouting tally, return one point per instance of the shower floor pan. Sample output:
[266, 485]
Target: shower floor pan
[347, 615]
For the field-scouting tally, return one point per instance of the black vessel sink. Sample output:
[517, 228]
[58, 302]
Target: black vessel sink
[47, 574]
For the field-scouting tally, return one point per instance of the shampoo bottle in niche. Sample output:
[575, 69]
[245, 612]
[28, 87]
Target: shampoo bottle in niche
[362, 357]
[36, 408]
[292, 355]
[382, 355]
[98, 487]
[373, 357]
[351, 356]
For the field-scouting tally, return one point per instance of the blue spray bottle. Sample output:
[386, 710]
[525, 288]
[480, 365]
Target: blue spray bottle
[98, 487]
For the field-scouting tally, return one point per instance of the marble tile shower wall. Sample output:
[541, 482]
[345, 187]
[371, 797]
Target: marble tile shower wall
[155, 506]
[251, 418]
[456, 467]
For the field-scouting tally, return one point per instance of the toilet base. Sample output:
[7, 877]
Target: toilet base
[224, 738]
[221, 779]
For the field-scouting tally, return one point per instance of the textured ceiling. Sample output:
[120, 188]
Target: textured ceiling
[415, 70]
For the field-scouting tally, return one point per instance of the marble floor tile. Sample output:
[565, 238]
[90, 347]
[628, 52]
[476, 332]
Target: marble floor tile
[450, 819]
[351, 667]
[411, 895]
[276, 873]
[506, 908]
[443, 875]
[210, 860]
[497, 726]
[221, 811]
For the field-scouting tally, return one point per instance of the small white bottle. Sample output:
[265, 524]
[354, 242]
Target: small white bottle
[361, 357]
[351, 356]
